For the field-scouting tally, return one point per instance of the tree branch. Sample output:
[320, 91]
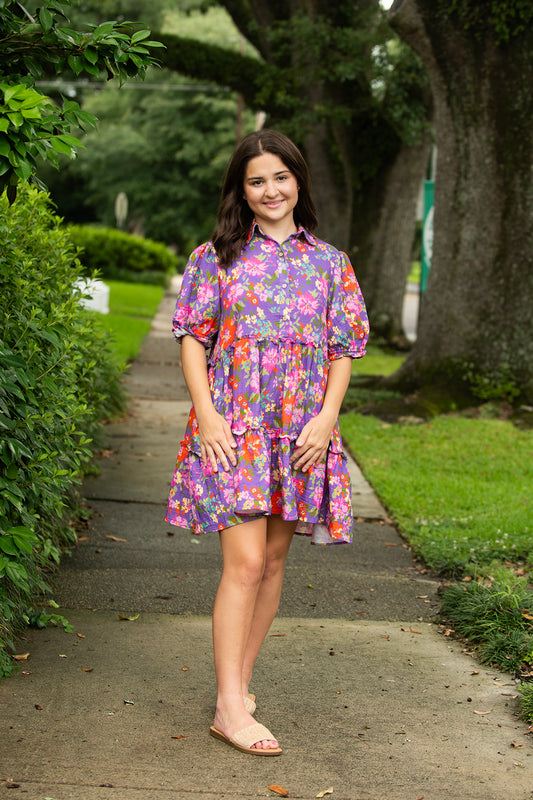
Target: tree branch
[212, 63]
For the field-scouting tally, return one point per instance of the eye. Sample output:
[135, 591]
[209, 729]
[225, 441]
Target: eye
[283, 177]
[256, 183]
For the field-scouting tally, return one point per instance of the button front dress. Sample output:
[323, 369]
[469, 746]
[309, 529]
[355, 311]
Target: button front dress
[271, 322]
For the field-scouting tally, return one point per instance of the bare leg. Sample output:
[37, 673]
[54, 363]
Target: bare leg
[244, 555]
[279, 537]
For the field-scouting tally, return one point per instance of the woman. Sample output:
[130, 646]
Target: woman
[269, 318]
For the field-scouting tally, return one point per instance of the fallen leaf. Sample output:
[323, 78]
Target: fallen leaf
[421, 596]
[448, 632]
[116, 539]
[163, 596]
[482, 713]
[310, 586]
[185, 669]
[526, 614]
[410, 630]
[22, 657]
[475, 672]
[178, 736]
[62, 655]
[87, 669]
[278, 634]
[279, 790]
[385, 636]
[83, 538]
[325, 792]
[389, 544]
[38, 707]
[12, 785]
[516, 744]
[129, 619]
[81, 636]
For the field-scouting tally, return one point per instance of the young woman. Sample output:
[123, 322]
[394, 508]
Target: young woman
[270, 319]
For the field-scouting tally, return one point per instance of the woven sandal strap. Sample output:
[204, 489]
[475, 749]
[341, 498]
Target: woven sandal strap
[251, 735]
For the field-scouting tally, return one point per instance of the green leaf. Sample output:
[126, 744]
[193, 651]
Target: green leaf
[46, 19]
[24, 169]
[103, 30]
[4, 125]
[139, 36]
[60, 146]
[76, 63]
[91, 55]
[16, 118]
[12, 472]
[7, 545]
[5, 146]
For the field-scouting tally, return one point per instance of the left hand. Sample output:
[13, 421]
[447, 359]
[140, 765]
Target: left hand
[313, 442]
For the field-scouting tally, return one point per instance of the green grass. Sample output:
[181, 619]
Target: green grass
[459, 489]
[132, 306]
[134, 299]
[378, 362]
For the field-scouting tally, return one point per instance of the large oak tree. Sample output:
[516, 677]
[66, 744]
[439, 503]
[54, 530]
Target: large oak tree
[475, 325]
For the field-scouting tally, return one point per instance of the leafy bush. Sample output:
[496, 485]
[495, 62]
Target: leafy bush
[57, 381]
[498, 620]
[120, 256]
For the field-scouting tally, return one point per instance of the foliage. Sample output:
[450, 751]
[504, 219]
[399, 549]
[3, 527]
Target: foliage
[119, 255]
[457, 488]
[504, 20]
[31, 47]
[57, 381]
[498, 620]
[172, 189]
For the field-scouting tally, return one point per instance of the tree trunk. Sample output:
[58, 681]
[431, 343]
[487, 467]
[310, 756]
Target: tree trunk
[475, 324]
[387, 261]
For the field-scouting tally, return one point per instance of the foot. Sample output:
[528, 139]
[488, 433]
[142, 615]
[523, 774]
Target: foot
[229, 721]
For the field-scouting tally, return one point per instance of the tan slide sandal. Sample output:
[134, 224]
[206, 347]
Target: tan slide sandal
[244, 739]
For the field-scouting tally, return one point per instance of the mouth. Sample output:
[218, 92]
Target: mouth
[273, 203]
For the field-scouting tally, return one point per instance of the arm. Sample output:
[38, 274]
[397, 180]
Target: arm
[216, 438]
[313, 441]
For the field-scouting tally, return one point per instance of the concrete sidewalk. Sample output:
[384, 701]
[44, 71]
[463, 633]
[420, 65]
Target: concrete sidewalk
[365, 693]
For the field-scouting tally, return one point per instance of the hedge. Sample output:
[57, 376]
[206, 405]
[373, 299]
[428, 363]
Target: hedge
[121, 256]
[57, 381]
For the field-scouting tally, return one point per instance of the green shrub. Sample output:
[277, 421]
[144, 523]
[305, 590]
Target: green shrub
[57, 380]
[497, 619]
[120, 256]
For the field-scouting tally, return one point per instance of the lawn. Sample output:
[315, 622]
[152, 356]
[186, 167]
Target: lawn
[459, 489]
[131, 309]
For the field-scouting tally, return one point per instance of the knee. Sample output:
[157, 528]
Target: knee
[250, 570]
[274, 565]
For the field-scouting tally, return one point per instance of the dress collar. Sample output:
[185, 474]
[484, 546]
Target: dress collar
[301, 233]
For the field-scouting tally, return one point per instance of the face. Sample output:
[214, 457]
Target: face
[271, 191]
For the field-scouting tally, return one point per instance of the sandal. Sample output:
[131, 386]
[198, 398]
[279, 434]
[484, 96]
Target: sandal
[249, 704]
[244, 739]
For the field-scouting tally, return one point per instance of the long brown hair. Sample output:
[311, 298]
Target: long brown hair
[234, 217]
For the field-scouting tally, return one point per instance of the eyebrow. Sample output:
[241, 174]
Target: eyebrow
[261, 177]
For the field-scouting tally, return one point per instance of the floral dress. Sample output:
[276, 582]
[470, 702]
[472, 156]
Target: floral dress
[272, 321]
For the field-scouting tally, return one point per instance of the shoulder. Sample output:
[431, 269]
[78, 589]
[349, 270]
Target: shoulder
[203, 251]
[330, 253]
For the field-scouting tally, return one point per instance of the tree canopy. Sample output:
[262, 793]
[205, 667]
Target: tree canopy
[34, 45]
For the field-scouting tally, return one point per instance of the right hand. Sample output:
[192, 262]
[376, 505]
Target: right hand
[216, 441]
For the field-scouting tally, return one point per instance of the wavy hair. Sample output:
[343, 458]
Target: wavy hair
[234, 217]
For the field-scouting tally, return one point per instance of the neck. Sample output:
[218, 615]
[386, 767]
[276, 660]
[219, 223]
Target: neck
[281, 231]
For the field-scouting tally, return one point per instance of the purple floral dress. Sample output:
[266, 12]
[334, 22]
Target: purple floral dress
[272, 322]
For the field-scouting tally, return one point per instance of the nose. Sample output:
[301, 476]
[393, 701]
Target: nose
[271, 189]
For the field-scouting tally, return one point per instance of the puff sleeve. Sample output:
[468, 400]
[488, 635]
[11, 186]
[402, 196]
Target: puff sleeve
[198, 306]
[347, 319]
